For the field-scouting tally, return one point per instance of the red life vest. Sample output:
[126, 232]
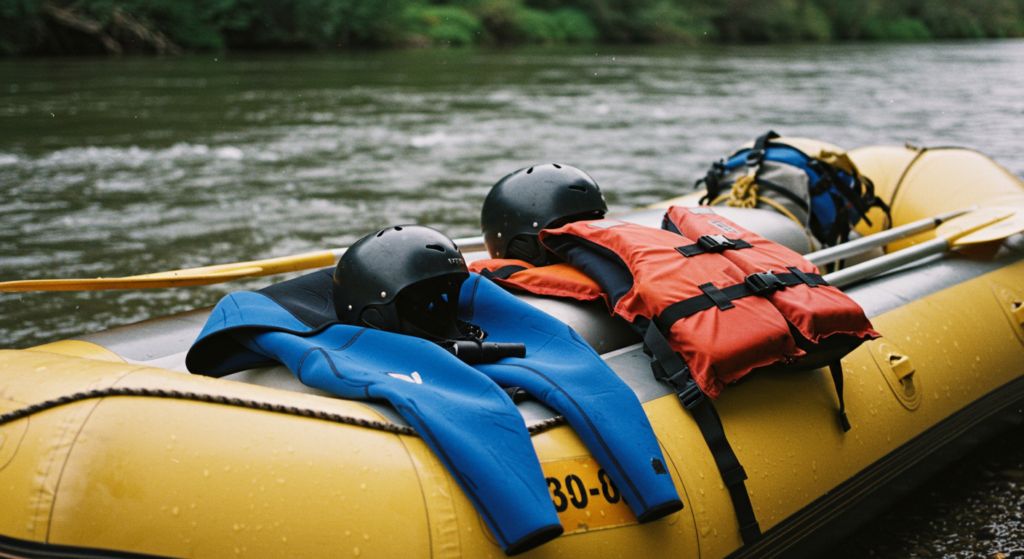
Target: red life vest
[647, 279]
[556, 280]
[817, 310]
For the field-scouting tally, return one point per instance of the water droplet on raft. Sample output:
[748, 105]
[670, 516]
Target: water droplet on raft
[383, 294]
[355, 551]
[350, 307]
[362, 486]
[499, 235]
[366, 537]
[534, 223]
[175, 511]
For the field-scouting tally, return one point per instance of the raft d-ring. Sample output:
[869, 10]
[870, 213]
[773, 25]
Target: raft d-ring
[1011, 300]
[1017, 310]
[899, 372]
[901, 366]
[904, 371]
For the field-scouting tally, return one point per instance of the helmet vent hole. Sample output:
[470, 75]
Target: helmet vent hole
[381, 232]
[530, 170]
[438, 248]
[397, 228]
[557, 166]
[577, 187]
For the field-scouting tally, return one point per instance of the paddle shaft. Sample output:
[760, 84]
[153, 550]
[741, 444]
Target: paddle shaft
[864, 244]
[888, 262]
[962, 231]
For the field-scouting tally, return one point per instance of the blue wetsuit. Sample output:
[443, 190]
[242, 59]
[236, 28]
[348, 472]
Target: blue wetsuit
[294, 323]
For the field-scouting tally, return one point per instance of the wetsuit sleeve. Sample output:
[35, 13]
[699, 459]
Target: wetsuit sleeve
[565, 373]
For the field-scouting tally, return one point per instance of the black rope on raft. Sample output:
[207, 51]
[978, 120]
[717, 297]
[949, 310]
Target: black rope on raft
[237, 402]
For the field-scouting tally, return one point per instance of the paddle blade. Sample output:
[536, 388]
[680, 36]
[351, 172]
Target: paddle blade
[1011, 225]
[980, 219]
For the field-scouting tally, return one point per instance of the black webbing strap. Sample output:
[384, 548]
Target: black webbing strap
[836, 368]
[804, 277]
[720, 300]
[672, 370]
[755, 284]
[712, 243]
[502, 273]
[762, 141]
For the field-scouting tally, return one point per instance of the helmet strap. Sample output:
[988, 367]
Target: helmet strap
[434, 316]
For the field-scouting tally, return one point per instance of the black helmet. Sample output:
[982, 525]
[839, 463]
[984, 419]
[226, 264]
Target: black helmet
[541, 197]
[404, 279]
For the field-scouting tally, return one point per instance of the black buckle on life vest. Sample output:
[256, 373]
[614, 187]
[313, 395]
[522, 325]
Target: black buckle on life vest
[690, 395]
[715, 243]
[764, 282]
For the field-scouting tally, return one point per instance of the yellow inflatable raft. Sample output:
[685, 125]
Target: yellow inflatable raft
[108, 448]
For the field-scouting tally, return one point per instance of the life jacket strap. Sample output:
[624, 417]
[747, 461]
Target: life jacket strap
[502, 273]
[671, 368]
[712, 243]
[836, 368]
[805, 277]
[754, 284]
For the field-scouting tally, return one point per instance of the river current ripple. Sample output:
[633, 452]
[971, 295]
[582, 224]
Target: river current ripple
[114, 167]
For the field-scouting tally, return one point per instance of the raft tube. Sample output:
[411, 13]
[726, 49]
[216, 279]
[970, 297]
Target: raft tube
[109, 449]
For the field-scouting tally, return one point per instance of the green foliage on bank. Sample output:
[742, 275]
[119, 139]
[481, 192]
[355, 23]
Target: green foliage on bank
[115, 26]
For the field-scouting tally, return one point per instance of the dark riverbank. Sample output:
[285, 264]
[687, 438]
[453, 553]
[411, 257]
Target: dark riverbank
[61, 27]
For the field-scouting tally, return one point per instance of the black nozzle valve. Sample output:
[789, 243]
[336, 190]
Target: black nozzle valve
[477, 353]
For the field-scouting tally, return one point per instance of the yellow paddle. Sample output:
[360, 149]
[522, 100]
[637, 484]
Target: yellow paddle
[980, 226]
[205, 275]
[181, 278]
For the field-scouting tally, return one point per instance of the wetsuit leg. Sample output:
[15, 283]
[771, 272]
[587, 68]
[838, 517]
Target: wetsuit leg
[564, 372]
[464, 417]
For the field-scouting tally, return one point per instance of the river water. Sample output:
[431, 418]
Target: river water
[114, 167]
